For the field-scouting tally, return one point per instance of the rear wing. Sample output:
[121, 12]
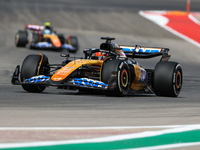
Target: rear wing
[138, 51]
[34, 27]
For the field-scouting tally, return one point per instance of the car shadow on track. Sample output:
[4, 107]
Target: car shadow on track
[78, 93]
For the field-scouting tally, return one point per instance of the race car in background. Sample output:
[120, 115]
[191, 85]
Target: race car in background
[110, 69]
[34, 37]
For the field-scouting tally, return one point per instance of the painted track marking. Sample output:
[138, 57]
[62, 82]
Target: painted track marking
[179, 23]
[177, 136]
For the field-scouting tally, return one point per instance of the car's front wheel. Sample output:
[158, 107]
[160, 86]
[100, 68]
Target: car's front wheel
[32, 66]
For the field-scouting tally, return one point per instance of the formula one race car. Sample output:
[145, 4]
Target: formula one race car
[110, 68]
[34, 36]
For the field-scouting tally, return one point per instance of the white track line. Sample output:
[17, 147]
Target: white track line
[194, 19]
[91, 128]
[105, 139]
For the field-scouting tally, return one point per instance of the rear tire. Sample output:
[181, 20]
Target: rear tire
[21, 38]
[29, 69]
[73, 40]
[167, 80]
[122, 72]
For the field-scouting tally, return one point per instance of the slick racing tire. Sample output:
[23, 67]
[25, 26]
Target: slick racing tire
[21, 38]
[35, 38]
[73, 40]
[117, 73]
[167, 79]
[29, 69]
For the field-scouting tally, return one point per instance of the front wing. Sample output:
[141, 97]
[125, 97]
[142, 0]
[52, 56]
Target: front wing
[72, 82]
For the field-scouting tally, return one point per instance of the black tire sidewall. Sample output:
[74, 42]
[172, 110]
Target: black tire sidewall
[29, 69]
[21, 38]
[164, 80]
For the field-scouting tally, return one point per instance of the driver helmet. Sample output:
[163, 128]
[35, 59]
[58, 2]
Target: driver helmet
[47, 29]
[47, 24]
[117, 49]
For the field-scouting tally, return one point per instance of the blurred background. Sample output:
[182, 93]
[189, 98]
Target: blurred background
[89, 20]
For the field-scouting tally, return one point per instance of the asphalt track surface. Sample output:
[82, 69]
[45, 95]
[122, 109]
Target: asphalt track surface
[90, 20]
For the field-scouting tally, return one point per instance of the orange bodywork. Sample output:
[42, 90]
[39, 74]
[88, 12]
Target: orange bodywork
[72, 66]
[64, 72]
[139, 74]
[54, 39]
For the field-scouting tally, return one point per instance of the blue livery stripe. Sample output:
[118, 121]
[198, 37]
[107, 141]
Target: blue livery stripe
[146, 50]
[43, 44]
[37, 79]
[67, 46]
[128, 49]
[88, 83]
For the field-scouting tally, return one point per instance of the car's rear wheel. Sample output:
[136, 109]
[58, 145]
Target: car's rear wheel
[167, 80]
[32, 66]
[21, 38]
[73, 40]
[120, 70]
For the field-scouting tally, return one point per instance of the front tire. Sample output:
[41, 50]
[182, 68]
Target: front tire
[167, 80]
[30, 67]
[122, 72]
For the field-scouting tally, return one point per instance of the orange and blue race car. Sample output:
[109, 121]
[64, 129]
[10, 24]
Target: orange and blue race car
[38, 37]
[111, 69]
